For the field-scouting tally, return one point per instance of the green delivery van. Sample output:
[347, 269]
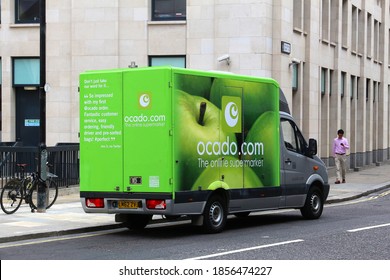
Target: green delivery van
[188, 143]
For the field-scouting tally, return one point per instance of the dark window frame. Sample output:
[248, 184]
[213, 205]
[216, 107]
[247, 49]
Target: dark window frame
[33, 17]
[176, 12]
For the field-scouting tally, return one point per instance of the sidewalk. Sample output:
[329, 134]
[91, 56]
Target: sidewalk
[67, 216]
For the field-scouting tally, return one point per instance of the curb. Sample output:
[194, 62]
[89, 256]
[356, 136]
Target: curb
[59, 233]
[338, 200]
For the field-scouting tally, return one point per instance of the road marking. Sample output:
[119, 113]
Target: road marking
[367, 228]
[383, 194]
[369, 197]
[246, 249]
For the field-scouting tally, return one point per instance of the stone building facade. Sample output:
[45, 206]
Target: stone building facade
[331, 58]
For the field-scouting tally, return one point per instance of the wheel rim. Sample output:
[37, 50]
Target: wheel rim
[216, 214]
[315, 203]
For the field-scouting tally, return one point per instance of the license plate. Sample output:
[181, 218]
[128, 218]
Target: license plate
[129, 204]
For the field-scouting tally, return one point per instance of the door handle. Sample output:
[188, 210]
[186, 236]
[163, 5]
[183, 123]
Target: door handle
[288, 161]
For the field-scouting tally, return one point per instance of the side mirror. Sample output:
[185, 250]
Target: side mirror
[312, 147]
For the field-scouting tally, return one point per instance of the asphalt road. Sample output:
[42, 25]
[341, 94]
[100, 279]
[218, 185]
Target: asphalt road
[357, 230]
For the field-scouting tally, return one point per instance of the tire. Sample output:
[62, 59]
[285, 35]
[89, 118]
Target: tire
[215, 215]
[52, 194]
[137, 222]
[11, 196]
[314, 204]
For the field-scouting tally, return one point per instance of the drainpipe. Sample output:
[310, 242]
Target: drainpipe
[42, 158]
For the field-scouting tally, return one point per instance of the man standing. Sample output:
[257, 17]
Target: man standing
[340, 147]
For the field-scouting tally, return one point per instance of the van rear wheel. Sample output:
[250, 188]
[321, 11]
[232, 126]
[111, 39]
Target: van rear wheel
[215, 215]
[314, 204]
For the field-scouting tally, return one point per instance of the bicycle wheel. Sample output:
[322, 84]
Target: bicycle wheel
[11, 196]
[51, 195]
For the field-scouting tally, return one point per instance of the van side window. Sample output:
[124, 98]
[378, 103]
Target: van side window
[301, 142]
[293, 139]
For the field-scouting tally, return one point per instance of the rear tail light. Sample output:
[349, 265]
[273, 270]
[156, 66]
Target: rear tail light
[158, 204]
[94, 202]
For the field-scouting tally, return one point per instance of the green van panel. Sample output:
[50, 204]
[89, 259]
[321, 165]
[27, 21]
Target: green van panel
[147, 118]
[101, 136]
[226, 131]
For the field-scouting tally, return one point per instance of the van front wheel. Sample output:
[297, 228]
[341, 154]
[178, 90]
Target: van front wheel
[314, 204]
[214, 215]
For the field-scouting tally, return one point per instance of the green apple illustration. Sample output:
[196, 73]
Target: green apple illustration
[197, 123]
[230, 175]
[257, 97]
[265, 130]
[194, 85]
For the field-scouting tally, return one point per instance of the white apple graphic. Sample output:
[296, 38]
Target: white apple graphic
[197, 125]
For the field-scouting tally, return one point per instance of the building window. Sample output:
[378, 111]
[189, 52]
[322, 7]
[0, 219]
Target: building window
[368, 84]
[342, 84]
[169, 9]
[27, 11]
[375, 92]
[369, 35]
[323, 81]
[353, 86]
[377, 39]
[361, 27]
[388, 48]
[355, 29]
[175, 61]
[330, 82]
[298, 14]
[358, 81]
[345, 23]
[325, 20]
[295, 77]
[26, 72]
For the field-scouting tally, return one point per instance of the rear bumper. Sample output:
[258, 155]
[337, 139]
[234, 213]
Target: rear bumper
[111, 204]
[111, 207]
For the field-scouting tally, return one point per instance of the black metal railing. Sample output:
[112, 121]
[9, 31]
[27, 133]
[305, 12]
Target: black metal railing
[62, 158]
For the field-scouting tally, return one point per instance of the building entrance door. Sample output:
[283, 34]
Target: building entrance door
[27, 116]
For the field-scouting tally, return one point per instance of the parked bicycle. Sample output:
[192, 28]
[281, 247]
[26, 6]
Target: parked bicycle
[25, 188]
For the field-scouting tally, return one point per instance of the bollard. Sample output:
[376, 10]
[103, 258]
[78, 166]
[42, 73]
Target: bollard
[42, 192]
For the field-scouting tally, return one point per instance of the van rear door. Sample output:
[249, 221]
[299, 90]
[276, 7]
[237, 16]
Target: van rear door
[147, 131]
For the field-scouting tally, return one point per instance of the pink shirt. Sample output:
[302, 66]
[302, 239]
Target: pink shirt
[338, 148]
